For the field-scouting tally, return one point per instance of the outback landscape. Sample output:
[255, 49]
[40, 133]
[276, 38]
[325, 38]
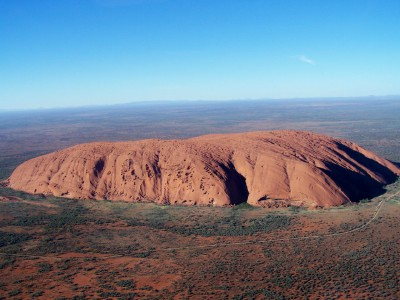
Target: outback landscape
[199, 150]
[58, 248]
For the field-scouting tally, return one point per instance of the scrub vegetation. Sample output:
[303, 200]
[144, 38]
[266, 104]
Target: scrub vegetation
[54, 248]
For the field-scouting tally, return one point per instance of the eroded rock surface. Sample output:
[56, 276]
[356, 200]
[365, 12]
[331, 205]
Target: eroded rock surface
[268, 168]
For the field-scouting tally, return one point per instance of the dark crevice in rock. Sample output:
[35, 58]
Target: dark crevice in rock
[98, 168]
[355, 185]
[235, 184]
[371, 164]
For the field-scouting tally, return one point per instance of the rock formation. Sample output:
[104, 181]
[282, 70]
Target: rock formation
[266, 168]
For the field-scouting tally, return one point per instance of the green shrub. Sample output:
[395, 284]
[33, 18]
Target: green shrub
[37, 294]
[10, 238]
[126, 283]
[44, 267]
[14, 293]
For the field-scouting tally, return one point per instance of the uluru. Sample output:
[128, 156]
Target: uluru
[263, 168]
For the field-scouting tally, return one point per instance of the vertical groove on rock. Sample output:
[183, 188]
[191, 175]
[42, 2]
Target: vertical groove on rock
[235, 184]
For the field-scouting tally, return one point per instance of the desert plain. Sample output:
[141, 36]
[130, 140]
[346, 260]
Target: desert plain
[57, 248]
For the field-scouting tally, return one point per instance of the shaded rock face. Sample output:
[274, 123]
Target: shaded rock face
[267, 168]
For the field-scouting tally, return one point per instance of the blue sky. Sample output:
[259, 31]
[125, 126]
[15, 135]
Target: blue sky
[84, 52]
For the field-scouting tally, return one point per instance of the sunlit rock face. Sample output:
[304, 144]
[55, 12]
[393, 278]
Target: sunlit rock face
[265, 168]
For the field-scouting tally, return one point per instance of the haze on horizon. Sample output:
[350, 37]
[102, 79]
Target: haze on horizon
[73, 53]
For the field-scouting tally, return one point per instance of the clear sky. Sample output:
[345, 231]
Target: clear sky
[82, 52]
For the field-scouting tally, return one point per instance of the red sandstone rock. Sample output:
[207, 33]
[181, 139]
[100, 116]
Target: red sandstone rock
[263, 168]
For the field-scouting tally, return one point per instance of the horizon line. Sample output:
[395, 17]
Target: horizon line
[160, 101]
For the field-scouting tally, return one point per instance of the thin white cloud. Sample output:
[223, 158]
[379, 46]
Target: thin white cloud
[305, 59]
[117, 3]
